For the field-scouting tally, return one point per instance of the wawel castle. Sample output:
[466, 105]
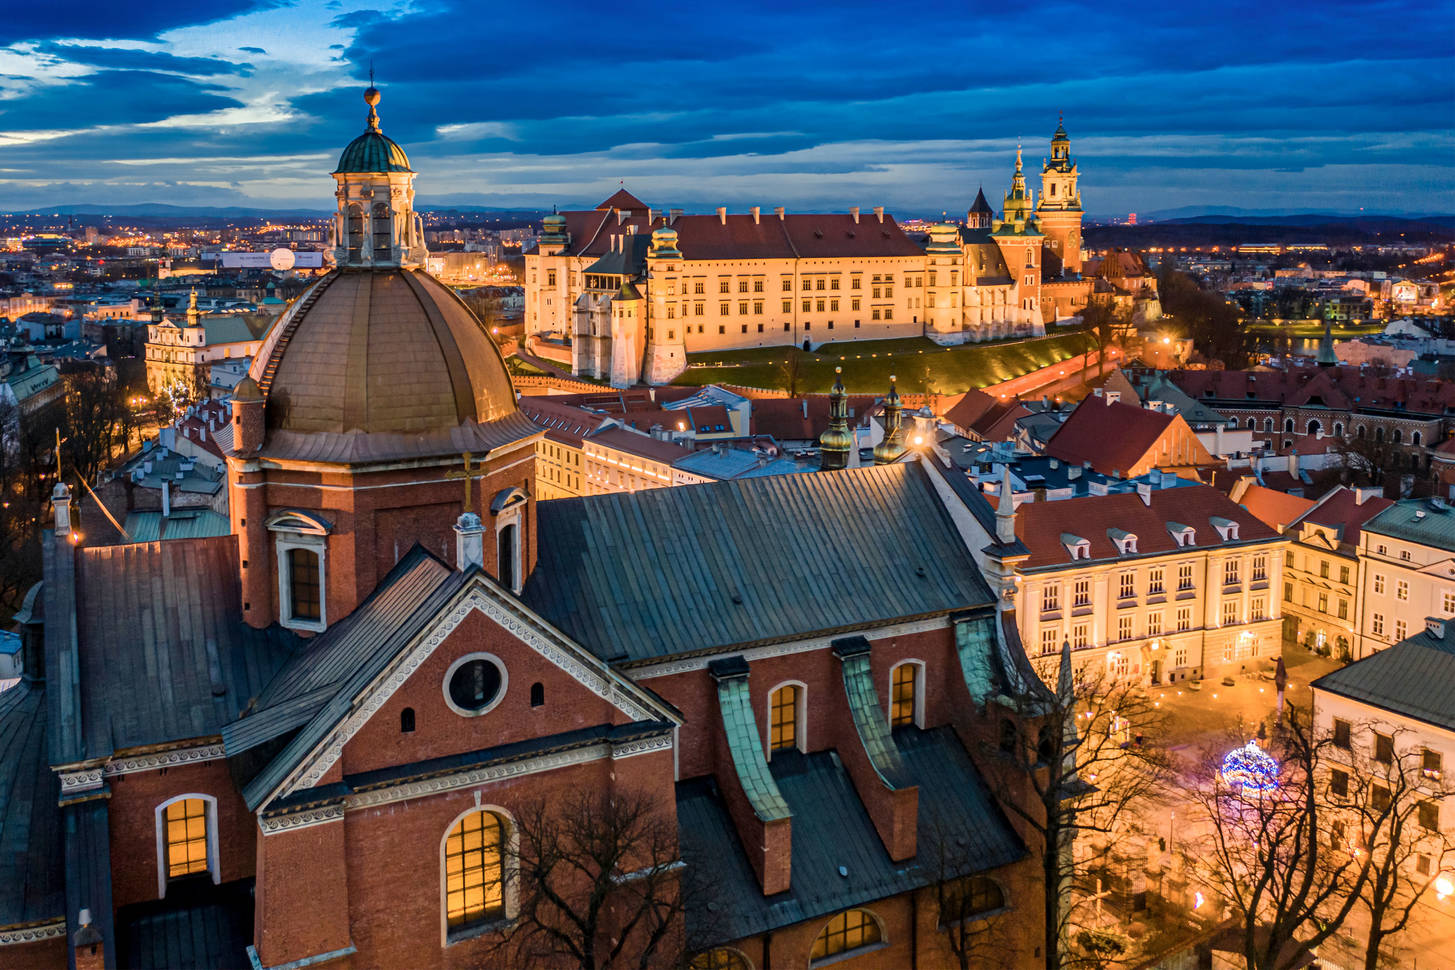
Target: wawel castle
[636, 289]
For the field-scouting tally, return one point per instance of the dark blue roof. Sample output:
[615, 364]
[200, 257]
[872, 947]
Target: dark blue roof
[838, 859]
[669, 571]
[32, 881]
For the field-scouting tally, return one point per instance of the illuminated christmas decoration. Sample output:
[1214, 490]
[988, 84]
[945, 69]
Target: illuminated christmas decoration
[1250, 769]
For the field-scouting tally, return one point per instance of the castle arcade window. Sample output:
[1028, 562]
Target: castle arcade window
[474, 863]
[784, 718]
[846, 932]
[904, 694]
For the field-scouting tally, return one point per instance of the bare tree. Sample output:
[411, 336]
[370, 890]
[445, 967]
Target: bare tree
[95, 406]
[791, 371]
[1391, 800]
[1095, 755]
[969, 906]
[1294, 853]
[598, 877]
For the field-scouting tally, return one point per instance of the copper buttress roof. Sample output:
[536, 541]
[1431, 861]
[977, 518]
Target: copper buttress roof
[388, 355]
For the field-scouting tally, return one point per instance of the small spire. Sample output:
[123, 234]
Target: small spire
[1005, 510]
[891, 448]
[1327, 357]
[371, 98]
[836, 442]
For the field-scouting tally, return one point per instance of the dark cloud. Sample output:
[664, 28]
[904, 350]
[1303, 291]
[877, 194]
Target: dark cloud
[252, 50]
[100, 19]
[110, 98]
[125, 59]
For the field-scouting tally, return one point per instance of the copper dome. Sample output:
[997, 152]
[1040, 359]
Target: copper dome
[389, 353]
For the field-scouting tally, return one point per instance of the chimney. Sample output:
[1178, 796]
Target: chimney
[1155, 476]
[166, 499]
[1293, 463]
[722, 214]
[673, 215]
[1005, 510]
[879, 212]
[650, 217]
[620, 217]
[61, 501]
[755, 211]
[469, 541]
[1073, 472]
[90, 950]
[1144, 491]
[1218, 440]
[805, 409]
[854, 211]
[1435, 627]
[778, 212]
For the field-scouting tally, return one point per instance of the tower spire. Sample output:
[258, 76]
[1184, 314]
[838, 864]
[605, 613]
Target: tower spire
[1327, 357]
[892, 447]
[834, 444]
[1005, 509]
[371, 98]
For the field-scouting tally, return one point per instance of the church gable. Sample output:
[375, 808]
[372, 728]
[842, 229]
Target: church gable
[481, 687]
[466, 668]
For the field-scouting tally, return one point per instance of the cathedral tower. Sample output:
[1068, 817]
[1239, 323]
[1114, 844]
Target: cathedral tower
[1059, 211]
[666, 335]
[376, 224]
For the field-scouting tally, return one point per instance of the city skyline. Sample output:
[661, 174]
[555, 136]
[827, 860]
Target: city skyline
[201, 104]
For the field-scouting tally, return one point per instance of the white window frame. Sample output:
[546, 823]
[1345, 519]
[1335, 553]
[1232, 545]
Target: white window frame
[510, 884]
[507, 510]
[213, 867]
[800, 717]
[460, 662]
[918, 717]
[294, 530]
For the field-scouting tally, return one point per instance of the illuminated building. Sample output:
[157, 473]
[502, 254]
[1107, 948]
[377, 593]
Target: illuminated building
[636, 288]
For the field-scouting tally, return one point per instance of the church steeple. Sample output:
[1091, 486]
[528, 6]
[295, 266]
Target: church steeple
[892, 447]
[1327, 357]
[835, 443]
[376, 224]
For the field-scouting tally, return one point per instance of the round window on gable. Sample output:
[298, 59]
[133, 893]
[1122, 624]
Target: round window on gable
[474, 684]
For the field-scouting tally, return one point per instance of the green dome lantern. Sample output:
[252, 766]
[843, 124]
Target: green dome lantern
[373, 151]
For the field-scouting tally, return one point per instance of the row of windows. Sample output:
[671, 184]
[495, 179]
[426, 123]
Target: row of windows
[1322, 601]
[1324, 567]
[787, 706]
[1156, 583]
[1376, 627]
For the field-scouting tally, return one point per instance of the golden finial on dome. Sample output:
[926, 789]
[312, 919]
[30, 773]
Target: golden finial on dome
[371, 98]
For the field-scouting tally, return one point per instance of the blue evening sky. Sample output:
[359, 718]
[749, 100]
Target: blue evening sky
[1269, 104]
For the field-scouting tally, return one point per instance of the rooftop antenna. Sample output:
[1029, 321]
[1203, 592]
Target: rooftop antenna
[371, 72]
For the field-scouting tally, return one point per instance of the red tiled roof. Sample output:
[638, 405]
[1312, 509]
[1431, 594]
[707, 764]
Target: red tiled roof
[1040, 525]
[1113, 437]
[785, 418]
[1273, 507]
[636, 443]
[622, 199]
[806, 235]
[970, 408]
[1339, 509]
[1336, 387]
[563, 423]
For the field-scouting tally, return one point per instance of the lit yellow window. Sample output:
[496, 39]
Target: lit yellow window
[901, 708]
[474, 870]
[186, 837]
[845, 932]
[720, 959]
[784, 718]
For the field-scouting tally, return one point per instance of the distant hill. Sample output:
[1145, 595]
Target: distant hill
[1231, 229]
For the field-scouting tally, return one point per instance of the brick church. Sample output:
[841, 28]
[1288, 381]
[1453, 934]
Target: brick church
[333, 737]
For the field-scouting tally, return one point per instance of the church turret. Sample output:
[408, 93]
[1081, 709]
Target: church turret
[1059, 210]
[1005, 510]
[891, 447]
[376, 224]
[835, 443]
[1019, 239]
[980, 215]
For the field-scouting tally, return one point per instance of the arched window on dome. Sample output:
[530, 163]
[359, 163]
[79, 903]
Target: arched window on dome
[383, 226]
[354, 232]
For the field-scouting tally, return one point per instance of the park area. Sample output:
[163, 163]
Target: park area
[920, 364]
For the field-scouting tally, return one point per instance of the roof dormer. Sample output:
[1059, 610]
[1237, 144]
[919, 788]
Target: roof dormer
[1126, 542]
[1078, 547]
[1183, 535]
[1227, 528]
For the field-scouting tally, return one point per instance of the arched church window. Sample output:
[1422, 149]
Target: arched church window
[537, 694]
[968, 898]
[474, 863]
[846, 932]
[406, 721]
[785, 718]
[383, 227]
[354, 230]
[186, 839]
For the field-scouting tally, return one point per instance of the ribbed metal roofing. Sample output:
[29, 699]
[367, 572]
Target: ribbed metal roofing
[642, 576]
[1414, 678]
[32, 878]
[372, 152]
[1417, 520]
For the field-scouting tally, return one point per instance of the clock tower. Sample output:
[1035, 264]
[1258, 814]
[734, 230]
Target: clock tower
[1059, 209]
